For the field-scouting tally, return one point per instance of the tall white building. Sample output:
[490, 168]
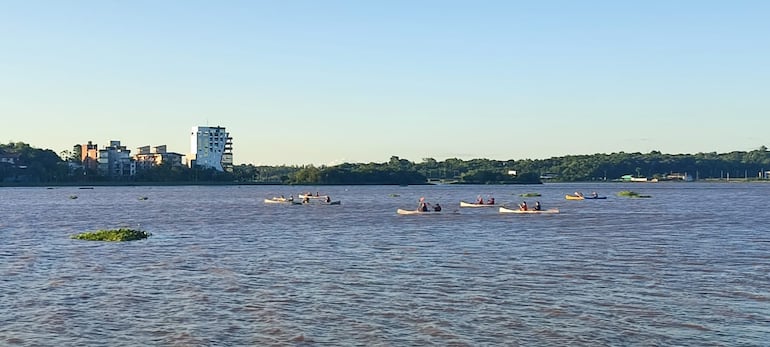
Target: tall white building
[211, 147]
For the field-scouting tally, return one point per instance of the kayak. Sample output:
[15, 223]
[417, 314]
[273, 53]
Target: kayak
[311, 196]
[594, 197]
[574, 197]
[281, 201]
[631, 194]
[511, 210]
[471, 204]
[402, 211]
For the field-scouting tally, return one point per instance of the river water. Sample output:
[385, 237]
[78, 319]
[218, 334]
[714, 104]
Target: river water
[688, 267]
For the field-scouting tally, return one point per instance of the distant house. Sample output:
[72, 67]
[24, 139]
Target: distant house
[10, 168]
[8, 158]
[632, 178]
[548, 176]
[675, 176]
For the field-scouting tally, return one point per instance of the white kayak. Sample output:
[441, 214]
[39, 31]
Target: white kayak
[472, 204]
[311, 196]
[402, 211]
[516, 210]
[282, 201]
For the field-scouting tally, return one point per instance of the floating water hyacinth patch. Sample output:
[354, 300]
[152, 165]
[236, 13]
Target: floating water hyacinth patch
[122, 234]
[632, 194]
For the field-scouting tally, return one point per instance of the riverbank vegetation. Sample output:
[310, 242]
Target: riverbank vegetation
[21, 164]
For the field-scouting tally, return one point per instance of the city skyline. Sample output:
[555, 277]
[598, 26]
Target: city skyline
[324, 83]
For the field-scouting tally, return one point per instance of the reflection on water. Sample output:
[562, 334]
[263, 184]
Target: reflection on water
[691, 266]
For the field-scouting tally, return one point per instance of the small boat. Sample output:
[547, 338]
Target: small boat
[529, 195]
[594, 197]
[473, 204]
[337, 202]
[516, 210]
[275, 199]
[632, 194]
[402, 211]
[282, 201]
[311, 196]
[574, 197]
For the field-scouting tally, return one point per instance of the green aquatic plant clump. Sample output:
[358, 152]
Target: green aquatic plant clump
[632, 194]
[122, 234]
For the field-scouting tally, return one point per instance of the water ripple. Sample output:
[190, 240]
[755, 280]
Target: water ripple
[222, 268]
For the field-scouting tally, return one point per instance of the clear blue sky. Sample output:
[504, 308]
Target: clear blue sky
[324, 82]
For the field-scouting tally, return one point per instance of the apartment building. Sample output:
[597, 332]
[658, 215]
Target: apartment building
[115, 161]
[211, 147]
[89, 155]
[147, 157]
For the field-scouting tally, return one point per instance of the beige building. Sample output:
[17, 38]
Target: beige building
[147, 157]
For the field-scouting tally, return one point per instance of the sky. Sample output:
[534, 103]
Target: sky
[327, 82]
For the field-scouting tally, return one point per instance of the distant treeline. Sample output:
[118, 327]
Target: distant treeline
[21, 164]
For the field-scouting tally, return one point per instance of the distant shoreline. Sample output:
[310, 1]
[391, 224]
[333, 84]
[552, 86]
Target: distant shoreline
[173, 184]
